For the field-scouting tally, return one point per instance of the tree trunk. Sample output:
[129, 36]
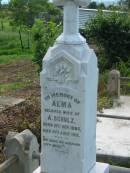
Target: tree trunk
[21, 41]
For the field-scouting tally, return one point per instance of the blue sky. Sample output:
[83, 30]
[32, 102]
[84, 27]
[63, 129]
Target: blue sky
[5, 1]
[107, 1]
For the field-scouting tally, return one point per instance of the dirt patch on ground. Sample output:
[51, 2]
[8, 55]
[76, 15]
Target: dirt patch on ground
[21, 80]
[23, 116]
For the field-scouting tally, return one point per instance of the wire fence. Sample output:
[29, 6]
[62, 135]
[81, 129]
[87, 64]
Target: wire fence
[125, 85]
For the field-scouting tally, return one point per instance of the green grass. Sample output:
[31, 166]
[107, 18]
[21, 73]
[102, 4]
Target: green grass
[7, 59]
[11, 51]
[10, 45]
[14, 86]
[11, 86]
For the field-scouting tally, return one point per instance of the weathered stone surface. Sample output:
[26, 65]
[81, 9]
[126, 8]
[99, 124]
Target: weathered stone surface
[113, 86]
[9, 102]
[100, 168]
[69, 100]
[69, 90]
[22, 145]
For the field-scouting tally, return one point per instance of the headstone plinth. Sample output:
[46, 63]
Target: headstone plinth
[69, 100]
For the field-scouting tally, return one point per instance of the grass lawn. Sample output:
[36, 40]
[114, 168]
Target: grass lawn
[12, 56]
[10, 45]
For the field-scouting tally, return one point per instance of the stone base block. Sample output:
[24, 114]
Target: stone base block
[100, 168]
[38, 170]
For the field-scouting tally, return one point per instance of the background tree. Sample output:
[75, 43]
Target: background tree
[101, 6]
[1, 16]
[0, 4]
[24, 13]
[125, 4]
[114, 7]
[45, 34]
[92, 5]
[112, 35]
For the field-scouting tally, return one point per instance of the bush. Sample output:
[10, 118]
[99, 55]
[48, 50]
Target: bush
[124, 68]
[112, 34]
[44, 34]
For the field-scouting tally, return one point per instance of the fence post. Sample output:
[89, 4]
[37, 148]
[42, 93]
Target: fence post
[113, 86]
[22, 145]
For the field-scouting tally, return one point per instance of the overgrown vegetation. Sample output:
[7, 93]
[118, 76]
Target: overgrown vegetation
[13, 44]
[24, 12]
[45, 35]
[10, 45]
[111, 33]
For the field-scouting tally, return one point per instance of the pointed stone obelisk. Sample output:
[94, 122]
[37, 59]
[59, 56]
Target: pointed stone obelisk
[69, 100]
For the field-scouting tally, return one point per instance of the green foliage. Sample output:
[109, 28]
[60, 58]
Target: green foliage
[2, 16]
[44, 37]
[103, 79]
[52, 13]
[125, 4]
[92, 5]
[114, 7]
[101, 6]
[104, 100]
[123, 67]
[128, 3]
[8, 59]
[104, 103]
[10, 47]
[11, 86]
[24, 11]
[112, 34]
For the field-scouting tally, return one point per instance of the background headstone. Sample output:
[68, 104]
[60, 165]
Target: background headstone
[113, 86]
[23, 145]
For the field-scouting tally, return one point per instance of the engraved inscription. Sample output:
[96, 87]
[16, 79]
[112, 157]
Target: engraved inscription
[61, 123]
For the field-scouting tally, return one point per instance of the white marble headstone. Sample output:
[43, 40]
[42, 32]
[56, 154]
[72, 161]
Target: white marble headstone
[69, 92]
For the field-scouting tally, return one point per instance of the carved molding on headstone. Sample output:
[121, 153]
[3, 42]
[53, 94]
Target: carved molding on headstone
[62, 68]
[62, 71]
